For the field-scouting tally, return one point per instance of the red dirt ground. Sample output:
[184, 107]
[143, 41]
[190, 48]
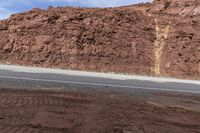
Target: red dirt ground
[33, 111]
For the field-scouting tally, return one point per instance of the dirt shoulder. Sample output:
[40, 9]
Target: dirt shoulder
[97, 112]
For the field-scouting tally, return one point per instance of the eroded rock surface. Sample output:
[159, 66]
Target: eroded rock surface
[158, 38]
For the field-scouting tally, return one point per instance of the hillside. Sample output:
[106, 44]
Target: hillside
[160, 38]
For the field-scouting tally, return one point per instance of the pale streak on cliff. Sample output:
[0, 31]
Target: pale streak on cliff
[162, 33]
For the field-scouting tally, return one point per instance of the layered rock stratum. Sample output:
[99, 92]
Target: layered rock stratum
[161, 38]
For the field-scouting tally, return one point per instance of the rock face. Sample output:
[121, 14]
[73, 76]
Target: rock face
[181, 51]
[160, 38]
[178, 7]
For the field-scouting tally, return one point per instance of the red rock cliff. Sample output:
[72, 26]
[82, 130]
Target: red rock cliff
[159, 38]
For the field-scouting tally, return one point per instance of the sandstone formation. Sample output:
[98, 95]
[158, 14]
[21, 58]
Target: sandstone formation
[161, 38]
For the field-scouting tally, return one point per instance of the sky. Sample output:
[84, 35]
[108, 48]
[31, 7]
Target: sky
[8, 7]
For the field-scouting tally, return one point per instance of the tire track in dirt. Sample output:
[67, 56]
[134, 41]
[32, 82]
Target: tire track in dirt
[90, 118]
[20, 112]
[92, 112]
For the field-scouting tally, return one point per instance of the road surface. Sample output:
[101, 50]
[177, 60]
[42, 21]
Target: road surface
[27, 77]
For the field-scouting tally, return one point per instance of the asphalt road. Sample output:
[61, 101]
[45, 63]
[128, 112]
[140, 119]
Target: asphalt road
[30, 77]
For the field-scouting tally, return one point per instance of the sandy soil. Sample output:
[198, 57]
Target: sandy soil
[34, 111]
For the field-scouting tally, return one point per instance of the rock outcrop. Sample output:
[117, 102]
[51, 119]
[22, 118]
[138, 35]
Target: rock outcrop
[160, 38]
[181, 52]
